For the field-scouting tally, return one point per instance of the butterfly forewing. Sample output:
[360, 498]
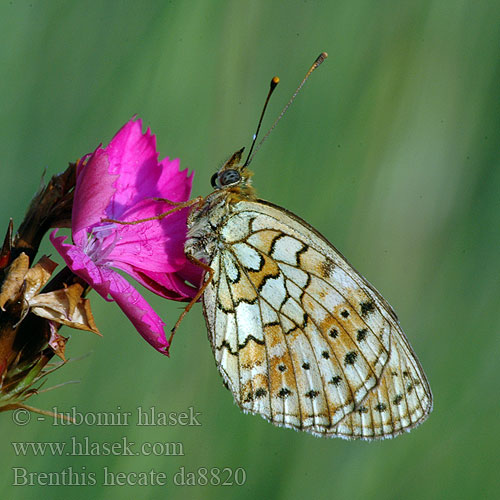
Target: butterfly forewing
[300, 337]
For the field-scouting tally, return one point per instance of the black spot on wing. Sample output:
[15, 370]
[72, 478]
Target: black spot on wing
[366, 307]
[305, 319]
[260, 392]
[350, 357]
[362, 334]
[284, 392]
[312, 394]
[333, 333]
[397, 400]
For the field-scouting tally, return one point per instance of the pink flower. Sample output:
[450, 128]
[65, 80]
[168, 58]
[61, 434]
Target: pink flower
[119, 182]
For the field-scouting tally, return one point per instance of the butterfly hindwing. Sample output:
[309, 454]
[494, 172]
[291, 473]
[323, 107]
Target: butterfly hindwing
[299, 336]
[401, 400]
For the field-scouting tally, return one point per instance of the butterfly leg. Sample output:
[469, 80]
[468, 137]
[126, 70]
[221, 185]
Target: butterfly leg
[178, 206]
[195, 299]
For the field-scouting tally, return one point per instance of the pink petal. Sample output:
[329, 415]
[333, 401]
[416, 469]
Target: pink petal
[174, 183]
[156, 245]
[93, 191]
[137, 310]
[133, 155]
[173, 286]
[111, 286]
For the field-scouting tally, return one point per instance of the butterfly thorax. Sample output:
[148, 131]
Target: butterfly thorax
[201, 241]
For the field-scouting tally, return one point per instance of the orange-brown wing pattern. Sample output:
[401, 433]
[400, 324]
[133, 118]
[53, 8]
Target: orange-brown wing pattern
[301, 338]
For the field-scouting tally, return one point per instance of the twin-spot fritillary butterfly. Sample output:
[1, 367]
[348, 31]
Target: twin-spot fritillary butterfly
[298, 335]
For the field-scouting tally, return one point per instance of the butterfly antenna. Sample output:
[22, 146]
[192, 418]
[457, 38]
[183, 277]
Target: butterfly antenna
[273, 85]
[315, 65]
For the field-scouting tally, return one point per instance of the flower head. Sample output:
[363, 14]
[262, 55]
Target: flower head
[120, 182]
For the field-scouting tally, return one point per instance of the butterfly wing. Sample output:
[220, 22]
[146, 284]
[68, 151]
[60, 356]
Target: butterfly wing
[301, 338]
[401, 400]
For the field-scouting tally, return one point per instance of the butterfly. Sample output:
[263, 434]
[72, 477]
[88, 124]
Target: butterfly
[298, 335]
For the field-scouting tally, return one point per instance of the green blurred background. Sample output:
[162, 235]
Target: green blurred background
[391, 151]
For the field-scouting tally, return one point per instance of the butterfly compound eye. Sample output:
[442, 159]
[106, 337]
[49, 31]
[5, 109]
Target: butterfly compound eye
[229, 177]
